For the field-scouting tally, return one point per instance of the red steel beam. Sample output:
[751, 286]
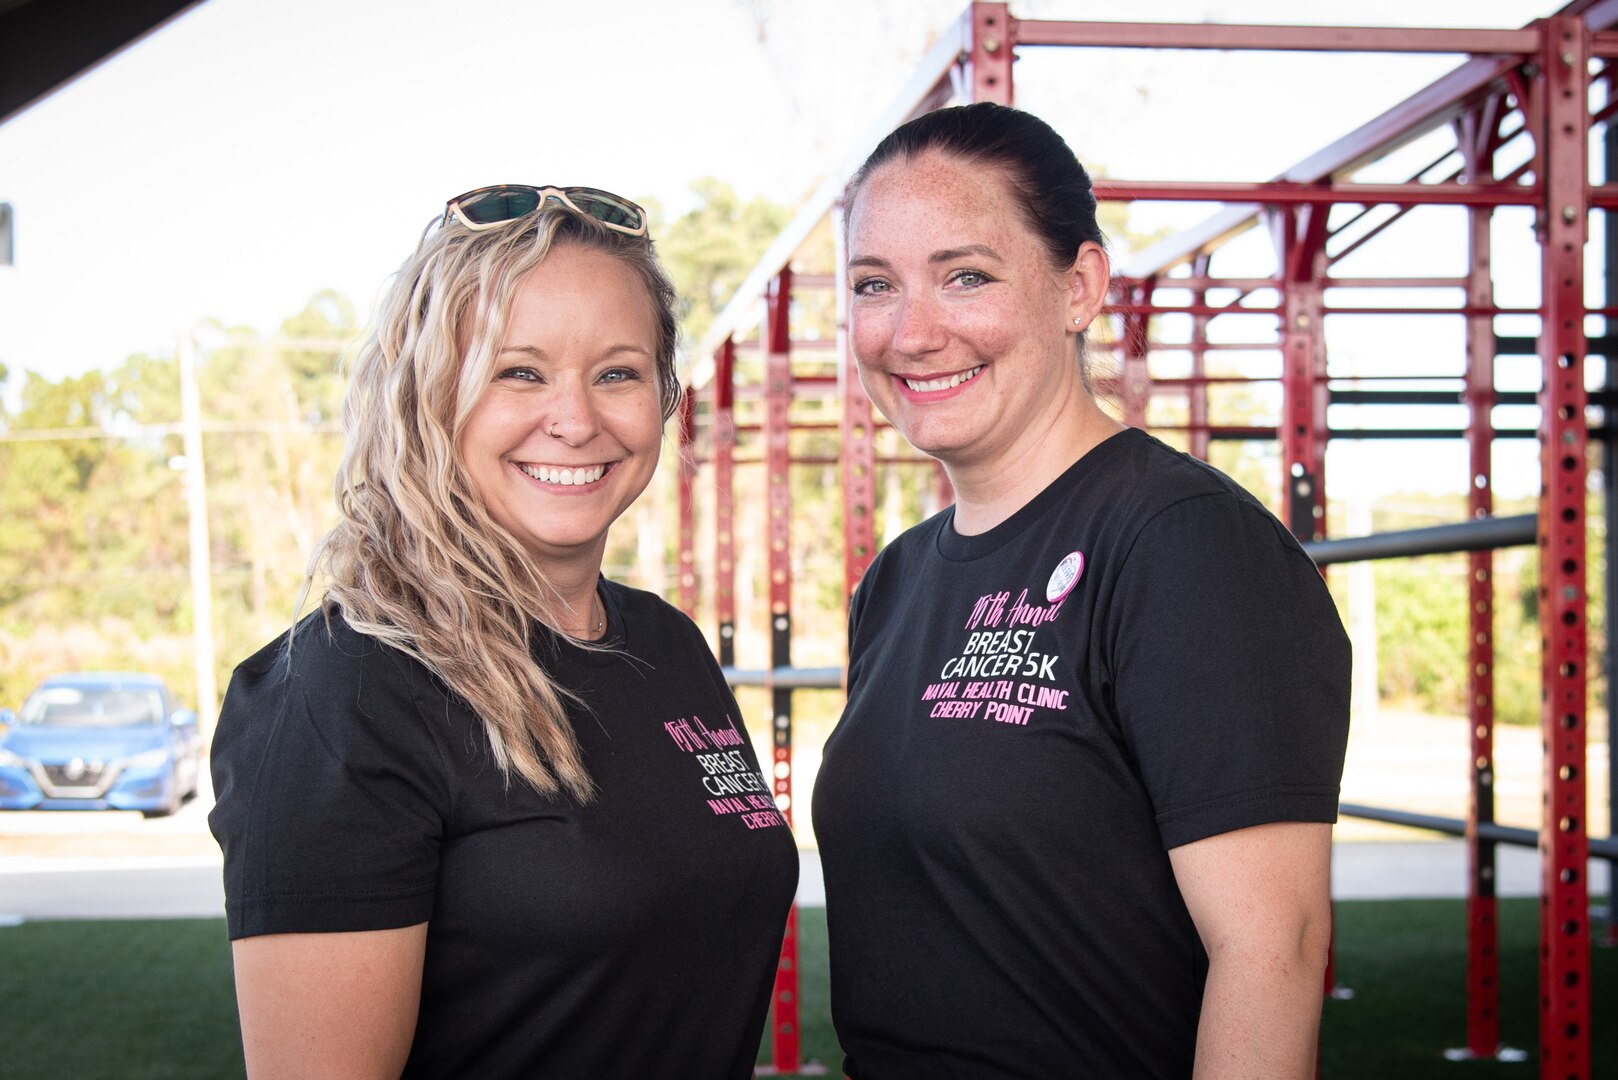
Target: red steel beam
[1130, 307]
[1204, 281]
[777, 455]
[1564, 982]
[1300, 235]
[1477, 140]
[1401, 39]
[1137, 381]
[724, 457]
[1197, 391]
[1281, 192]
[688, 513]
[1435, 105]
[989, 53]
[858, 429]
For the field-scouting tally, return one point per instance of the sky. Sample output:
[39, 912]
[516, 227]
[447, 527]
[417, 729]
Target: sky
[255, 152]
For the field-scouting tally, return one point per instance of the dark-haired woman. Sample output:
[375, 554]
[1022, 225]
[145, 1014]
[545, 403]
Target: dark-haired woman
[486, 813]
[1076, 818]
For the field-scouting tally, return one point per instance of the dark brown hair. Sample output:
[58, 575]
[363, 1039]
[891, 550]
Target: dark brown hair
[1051, 188]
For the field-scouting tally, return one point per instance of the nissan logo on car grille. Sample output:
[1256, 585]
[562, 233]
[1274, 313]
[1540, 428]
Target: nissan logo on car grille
[76, 773]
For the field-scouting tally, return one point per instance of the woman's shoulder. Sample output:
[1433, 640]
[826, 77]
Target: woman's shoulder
[1144, 462]
[326, 664]
[1168, 497]
[1147, 476]
[321, 645]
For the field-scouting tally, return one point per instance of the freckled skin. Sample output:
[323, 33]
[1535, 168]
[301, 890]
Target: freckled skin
[578, 359]
[947, 278]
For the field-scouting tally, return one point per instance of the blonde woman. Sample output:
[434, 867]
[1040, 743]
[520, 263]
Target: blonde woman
[487, 813]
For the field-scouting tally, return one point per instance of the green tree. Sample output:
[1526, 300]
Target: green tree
[710, 249]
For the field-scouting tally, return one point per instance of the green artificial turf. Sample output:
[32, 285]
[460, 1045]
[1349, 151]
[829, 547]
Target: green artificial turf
[124, 1000]
[1405, 962]
[152, 1000]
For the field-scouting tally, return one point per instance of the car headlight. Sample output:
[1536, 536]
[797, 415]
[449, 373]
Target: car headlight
[8, 758]
[148, 759]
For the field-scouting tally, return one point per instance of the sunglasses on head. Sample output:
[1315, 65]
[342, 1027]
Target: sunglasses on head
[486, 207]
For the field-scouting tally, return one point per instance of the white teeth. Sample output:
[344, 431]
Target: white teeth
[549, 474]
[943, 384]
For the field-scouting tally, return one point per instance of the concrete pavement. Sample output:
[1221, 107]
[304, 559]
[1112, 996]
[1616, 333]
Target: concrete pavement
[100, 864]
[109, 887]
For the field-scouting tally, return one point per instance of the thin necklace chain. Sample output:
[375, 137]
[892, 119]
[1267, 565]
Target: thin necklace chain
[600, 623]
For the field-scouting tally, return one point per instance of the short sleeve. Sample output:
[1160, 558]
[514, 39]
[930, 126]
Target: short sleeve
[332, 791]
[1230, 671]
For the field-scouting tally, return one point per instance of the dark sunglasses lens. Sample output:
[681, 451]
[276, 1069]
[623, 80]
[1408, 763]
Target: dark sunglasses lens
[605, 207]
[501, 204]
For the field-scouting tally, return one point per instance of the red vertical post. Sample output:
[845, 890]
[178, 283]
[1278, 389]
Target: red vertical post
[859, 437]
[1475, 135]
[1197, 392]
[988, 64]
[1137, 384]
[990, 57]
[1300, 242]
[687, 415]
[1564, 976]
[724, 481]
[778, 462]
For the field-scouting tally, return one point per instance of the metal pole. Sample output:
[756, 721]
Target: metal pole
[688, 512]
[1298, 239]
[1197, 392]
[1481, 535]
[777, 447]
[196, 507]
[1137, 384]
[1564, 975]
[1475, 133]
[1609, 493]
[859, 440]
[724, 480]
[990, 54]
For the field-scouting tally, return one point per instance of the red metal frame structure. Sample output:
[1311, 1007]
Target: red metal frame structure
[1530, 83]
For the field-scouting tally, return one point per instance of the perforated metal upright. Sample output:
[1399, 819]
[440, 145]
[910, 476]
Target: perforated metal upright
[858, 433]
[1564, 979]
[1299, 235]
[1135, 391]
[1197, 391]
[1477, 133]
[778, 463]
[990, 53]
[687, 416]
[724, 479]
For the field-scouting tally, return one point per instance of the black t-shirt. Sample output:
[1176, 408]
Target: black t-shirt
[1139, 658]
[635, 936]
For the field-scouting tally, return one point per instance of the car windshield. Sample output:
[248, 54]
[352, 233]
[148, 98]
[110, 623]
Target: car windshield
[71, 706]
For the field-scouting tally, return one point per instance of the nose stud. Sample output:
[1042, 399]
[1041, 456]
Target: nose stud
[552, 431]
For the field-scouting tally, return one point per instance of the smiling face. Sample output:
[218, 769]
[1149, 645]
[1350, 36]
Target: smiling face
[963, 330]
[567, 433]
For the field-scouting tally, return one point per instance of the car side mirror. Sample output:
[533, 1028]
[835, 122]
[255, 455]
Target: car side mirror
[183, 718]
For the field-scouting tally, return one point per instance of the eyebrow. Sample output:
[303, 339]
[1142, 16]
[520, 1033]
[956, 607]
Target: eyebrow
[944, 256]
[611, 350]
[951, 254]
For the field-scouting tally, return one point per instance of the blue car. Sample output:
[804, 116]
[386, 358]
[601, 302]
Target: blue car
[99, 741]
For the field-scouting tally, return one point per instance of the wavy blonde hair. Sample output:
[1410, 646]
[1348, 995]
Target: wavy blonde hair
[416, 560]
